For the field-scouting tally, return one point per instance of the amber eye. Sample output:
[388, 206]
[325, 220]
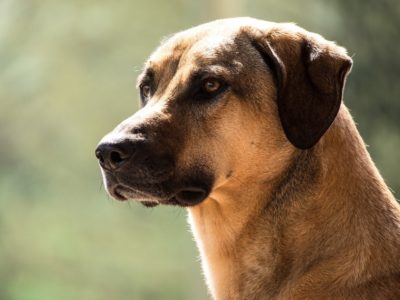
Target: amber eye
[211, 85]
[145, 90]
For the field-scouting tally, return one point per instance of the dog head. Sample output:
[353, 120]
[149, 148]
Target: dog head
[218, 101]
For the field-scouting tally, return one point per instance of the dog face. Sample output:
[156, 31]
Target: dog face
[218, 101]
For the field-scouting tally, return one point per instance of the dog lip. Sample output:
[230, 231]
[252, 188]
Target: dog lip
[184, 196]
[123, 193]
[190, 196]
[116, 192]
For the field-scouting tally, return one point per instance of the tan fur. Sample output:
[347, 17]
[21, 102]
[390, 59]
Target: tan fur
[341, 241]
[337, 239]
[279, 222]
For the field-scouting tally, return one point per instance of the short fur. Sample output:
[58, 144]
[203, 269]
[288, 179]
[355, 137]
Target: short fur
[283, 198]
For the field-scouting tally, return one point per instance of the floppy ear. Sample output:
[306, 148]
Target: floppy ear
[310, 74]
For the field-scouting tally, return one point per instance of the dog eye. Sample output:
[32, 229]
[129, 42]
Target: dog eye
[145, 90]
[211, 85]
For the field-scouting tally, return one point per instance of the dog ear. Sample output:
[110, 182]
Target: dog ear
[310, 73]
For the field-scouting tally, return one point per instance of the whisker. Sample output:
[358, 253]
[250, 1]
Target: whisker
[101, 186]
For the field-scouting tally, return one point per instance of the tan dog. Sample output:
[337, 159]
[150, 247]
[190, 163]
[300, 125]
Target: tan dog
[242, 123]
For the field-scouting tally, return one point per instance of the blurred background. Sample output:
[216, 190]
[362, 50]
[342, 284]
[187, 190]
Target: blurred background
[67, 76]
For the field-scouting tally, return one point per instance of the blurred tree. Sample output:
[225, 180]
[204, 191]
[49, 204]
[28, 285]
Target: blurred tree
[370, 31]
[67, 76]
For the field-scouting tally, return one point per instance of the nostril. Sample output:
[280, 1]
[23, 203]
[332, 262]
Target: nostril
[116, 158]
[113, 155]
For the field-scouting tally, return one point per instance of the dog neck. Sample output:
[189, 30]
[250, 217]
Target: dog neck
[265, 232]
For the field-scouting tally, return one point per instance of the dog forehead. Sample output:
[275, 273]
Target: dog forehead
[212, 39]
[226, 42]
[194, 44]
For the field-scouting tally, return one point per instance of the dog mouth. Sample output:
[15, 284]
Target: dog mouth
[122, 193]
[191, 195]
[118, 193]
[186, 196]
[189, 189]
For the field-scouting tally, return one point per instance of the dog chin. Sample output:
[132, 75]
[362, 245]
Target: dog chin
[149, 204]
[170, 202]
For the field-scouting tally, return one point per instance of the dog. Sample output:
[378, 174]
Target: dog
[242, 122]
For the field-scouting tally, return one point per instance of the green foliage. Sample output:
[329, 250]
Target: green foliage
[67, 76]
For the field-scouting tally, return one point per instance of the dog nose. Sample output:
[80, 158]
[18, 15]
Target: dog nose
[113, 156]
